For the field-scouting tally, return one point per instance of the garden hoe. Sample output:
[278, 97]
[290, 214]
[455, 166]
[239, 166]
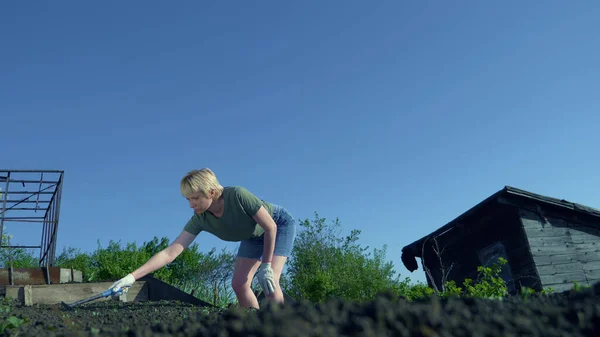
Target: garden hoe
[107, 293]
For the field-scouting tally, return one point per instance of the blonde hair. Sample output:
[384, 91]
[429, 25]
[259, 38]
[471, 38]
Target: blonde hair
[203, 181]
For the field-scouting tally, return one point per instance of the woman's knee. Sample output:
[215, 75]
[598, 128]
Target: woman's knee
[240, 285]
[242, 274]
[241, 282]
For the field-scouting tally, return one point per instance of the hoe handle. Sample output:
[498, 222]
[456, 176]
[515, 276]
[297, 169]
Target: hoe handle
[106, 293]
[89, 299]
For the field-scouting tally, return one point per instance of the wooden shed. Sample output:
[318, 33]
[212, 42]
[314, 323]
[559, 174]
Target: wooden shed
[548, 242]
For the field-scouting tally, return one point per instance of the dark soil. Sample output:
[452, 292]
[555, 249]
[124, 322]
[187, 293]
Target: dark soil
[566, 314]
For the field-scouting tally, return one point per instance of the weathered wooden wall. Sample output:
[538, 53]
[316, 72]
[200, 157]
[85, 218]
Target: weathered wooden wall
[565, 248]
[23, 276]
[465, 245]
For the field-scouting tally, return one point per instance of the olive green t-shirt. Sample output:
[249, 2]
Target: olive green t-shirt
[236, 223]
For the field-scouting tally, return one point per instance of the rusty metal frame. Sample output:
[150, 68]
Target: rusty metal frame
[19, 200]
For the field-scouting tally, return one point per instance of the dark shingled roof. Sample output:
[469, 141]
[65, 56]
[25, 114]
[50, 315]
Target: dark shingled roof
[409, 252]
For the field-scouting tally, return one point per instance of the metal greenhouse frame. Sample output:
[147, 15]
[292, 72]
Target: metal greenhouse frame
[32, 197]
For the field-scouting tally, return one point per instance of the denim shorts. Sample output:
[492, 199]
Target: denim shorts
[284, 239]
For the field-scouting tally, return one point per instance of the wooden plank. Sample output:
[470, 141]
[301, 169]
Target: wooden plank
[532, 225]
[593, 234]
[530, 210]
[536, 228]
[23, 276]
[27, 295]
[560, 287]
[593, 275]
[555, 241]
[588, 236]
[531, 220]
[76, 275]
[575, 226]
[561, 278]
[584, 257]
[552, 269]
[66, 275]
[55, 293]
[590, 247]
[591, 267]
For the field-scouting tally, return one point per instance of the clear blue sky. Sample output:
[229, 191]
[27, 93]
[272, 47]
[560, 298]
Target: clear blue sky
[394, 116]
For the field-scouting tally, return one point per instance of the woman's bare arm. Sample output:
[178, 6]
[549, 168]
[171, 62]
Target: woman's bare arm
[165, 256]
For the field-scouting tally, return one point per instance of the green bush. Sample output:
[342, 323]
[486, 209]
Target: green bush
[414, 291]
[208, 275]
[490, 285]
[18, 257]
[324, 266]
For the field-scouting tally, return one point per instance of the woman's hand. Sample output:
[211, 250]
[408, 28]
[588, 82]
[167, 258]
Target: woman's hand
[266, 278]
[125, 282]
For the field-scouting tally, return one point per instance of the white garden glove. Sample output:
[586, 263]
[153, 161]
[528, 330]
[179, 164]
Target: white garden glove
[126, 282]
[266, 278]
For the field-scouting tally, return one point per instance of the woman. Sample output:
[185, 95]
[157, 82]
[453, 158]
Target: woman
[266, 233]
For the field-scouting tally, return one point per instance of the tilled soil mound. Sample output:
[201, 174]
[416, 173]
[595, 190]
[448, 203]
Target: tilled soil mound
[565, 314]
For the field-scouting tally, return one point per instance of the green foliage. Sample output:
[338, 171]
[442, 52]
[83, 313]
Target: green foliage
[548, 290]
[325, 266]
[19, 257]
[78, 260]
[8, 321]
[490, 285]
[413, 291]
[579, 287]
[527, 292]
[114, 262]
[210, 277]
[451, 289]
